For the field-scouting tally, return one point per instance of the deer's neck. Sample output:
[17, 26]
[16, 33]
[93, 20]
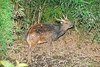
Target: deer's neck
[61, 30]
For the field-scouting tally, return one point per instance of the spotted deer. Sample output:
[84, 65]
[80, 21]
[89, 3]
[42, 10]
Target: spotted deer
[46, 33]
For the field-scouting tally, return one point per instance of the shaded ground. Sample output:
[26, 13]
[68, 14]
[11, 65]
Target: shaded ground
[67, 51]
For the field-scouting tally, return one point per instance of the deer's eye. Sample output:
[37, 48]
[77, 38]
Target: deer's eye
[66, 23]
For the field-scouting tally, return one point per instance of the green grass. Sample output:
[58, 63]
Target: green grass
[5, 25]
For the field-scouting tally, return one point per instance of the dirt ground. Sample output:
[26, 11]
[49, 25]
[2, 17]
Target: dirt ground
[68, 51]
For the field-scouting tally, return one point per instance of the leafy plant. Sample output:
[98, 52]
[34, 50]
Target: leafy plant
[8, 64]
[85, 12]
[5, 25]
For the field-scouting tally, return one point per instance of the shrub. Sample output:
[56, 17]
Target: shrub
[5, 25]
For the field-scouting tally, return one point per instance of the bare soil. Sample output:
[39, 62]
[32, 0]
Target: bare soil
[71, 50]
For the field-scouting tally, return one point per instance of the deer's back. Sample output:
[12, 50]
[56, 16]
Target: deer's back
[45, 32]
[41, 28]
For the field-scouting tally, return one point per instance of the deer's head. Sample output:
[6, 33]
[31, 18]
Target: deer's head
[65, 22]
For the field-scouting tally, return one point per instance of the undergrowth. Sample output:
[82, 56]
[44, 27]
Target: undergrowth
[5, 25]
[84, 14]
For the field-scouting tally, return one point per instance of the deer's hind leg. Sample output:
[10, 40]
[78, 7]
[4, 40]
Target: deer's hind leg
[30, 52]
[32, 44]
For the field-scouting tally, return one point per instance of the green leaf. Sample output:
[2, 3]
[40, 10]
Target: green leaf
[17, 62]
[23, 65]
[6, 63]
[76, 1]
